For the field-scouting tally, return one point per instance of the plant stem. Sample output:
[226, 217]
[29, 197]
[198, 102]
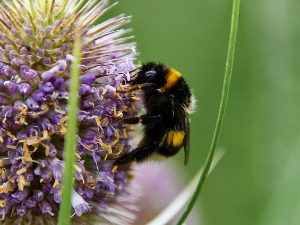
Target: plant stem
[222, 108]
[70, 137]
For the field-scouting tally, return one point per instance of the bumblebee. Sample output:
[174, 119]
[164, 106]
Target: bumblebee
[168, 102]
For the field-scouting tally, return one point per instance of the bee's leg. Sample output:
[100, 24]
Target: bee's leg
[146, 86]
[139, 154]
[139, 87]
[133, 88]
[131, 120]
[144, 119]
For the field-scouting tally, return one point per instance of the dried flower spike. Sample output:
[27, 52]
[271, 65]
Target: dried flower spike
[36, 51]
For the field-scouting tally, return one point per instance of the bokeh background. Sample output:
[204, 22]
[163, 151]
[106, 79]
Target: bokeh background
[257, 181]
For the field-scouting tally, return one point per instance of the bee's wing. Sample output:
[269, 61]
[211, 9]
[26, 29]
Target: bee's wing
[186, 140]
[184, 119]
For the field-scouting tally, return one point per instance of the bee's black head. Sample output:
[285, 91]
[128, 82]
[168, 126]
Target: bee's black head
[151, 73]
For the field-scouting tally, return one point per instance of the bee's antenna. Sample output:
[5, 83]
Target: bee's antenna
[135, 71]
[137, 68]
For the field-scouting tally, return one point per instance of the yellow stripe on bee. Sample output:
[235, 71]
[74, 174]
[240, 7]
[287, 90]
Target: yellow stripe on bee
[172, 78]
[174, 138]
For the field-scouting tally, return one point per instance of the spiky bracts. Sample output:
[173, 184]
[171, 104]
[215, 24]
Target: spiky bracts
[36, 51]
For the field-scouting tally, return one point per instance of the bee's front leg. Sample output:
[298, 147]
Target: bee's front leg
[144, 119]
[139, 87]
[138, 155]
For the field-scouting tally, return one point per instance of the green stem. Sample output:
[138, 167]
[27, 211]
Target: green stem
[222, 108]
[70, 137]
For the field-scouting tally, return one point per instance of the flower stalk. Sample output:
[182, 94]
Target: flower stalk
[222, 108]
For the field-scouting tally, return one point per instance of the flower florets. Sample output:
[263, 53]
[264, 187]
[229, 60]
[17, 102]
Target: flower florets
[36, 49]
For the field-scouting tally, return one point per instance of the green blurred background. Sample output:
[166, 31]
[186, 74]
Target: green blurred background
[257, 181]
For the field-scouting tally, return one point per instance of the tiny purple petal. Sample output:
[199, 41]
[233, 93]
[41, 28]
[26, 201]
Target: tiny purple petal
[22, 135]
[54, 69]
[85, 89]
[40, 52]
[87, 79]
[52, 150]
[65, 47]
[30, 202]
[28, 31]
[47, 188]
[19, 104]
[11, 87]
[111, 185]
[24, 89]
[48, 76]
[62, 94]
[23, 51]
[16, 62]
[109, 132]
[45, 124]
[38, 196]
[21, 210]
[58, 169]
[59, 82]
[29, 177]
[57, 197]
[48, 44]
[27, 72]
[89, 193]
[19, 196]
[58, 36]
[42, 32]
[79, 205]
[58, 54]
[127, 76]
[49, 28]
[7, 71]
[70, 57]
[62, 65]
[47, 60]
[111, 88]
[47, 87]
[34, 131]
[32, 104]
[19, 42]
[46, 208]
[12, 54]
[39, 96]
[1, 82]
[86, 103]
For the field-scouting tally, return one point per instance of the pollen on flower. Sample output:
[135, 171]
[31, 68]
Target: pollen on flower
[36, 51]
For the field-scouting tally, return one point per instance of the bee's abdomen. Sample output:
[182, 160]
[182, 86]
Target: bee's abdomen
[173, 138]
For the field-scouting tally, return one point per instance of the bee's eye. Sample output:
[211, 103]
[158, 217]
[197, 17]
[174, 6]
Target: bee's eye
[150, 74]
[145, 76]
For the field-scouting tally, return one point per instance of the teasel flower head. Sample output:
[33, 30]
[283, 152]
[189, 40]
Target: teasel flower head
[36, 48]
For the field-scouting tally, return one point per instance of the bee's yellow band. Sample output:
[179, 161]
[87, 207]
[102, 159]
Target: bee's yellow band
[174, 138]
[172, 78]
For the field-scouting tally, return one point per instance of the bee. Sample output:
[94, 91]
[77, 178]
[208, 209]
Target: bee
[168, 102]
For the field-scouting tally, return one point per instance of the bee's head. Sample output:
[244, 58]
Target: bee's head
[151, 73]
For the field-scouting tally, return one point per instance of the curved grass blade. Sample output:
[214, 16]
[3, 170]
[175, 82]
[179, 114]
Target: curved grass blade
[221, 114]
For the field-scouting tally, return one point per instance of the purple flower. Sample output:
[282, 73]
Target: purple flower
[150, 205]
[36, 53]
